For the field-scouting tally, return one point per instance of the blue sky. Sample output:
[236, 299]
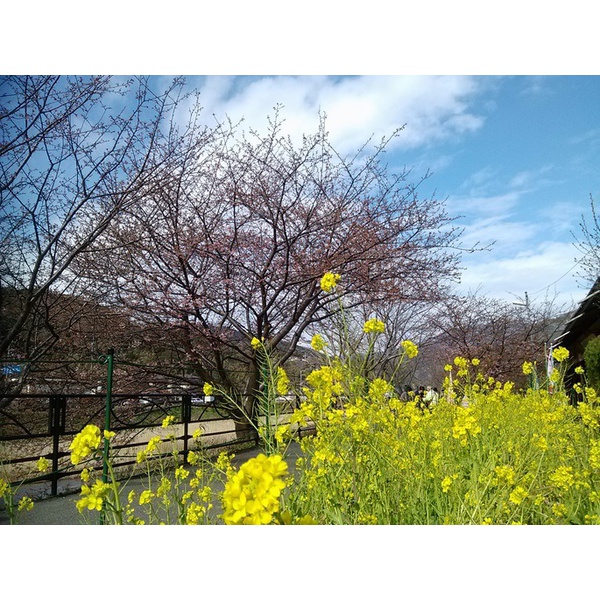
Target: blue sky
[516, 157]
[512, 139]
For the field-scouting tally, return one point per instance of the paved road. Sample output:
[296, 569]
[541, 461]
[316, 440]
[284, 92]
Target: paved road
[61, 510]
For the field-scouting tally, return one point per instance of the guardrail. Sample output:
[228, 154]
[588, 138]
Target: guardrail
[43, 425]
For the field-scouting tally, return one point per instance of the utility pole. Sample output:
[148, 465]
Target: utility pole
[526, 305]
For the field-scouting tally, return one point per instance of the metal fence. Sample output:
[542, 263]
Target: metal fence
[34, 425]
[43, 426]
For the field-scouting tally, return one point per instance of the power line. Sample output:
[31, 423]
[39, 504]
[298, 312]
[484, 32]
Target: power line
[555, 282]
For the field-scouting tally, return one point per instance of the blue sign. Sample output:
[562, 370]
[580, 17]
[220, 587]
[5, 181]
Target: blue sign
[11, 369]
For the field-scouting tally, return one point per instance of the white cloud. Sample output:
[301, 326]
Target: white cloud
[486, 206]
[433, 108]
[591, 136]
[531, 179]
[479, 183]
[544, 269]
[532, 250]
[507, 236]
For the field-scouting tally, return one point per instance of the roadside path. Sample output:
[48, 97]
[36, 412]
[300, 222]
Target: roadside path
[61, 510]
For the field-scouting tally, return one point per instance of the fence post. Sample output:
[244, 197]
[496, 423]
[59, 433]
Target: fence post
[56, 427]
[266, 399]
[108, 360]
[186, 417]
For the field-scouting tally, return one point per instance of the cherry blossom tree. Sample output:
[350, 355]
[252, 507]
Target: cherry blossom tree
[74, 152]
[588, 243]
[233, 244]
[500, 334]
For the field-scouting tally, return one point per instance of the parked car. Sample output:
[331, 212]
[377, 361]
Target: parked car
[203, 400]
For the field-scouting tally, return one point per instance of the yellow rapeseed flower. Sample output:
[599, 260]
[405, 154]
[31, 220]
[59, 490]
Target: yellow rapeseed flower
[223, 462]
[559, 509]
[594, 456]
[465, 424]
[168, 421]
[251, 495]
[329, 282]
[25, 503]
[153, 443]
[181, 473]
[317, 342]
[206, 494]
[208, 389]
[560, 354]
[283, 433]
[194, 513]
[518, 495]
[255, 343]
[379, 388]
[506, 473]
[43, 464]
[410, 348]
[146, 497]
[563, 477]
[164, 488]
[374, 326]
[460, 361]
[286, 519]
[283, 382]
[93, 498]
[592, 519]
[326, 382]
[84, 443]
[446, 483]
[527, 368]
[540, 441]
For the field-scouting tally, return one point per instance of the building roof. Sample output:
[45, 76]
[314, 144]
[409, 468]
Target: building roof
[583, 325]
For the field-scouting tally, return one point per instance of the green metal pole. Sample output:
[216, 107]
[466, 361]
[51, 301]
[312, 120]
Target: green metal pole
[107, 408]
[265, 391]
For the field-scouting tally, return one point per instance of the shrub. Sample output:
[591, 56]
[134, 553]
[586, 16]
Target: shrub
[591, 357]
